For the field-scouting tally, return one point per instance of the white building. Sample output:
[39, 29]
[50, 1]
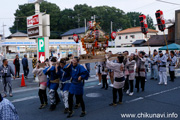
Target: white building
[128, 36]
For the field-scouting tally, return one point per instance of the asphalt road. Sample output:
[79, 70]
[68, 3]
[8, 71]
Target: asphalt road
[156, 100]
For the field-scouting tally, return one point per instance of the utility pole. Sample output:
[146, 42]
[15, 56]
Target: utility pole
[111, 26]
[85, 24]
[3, 31]
[94, 18]
[134, 23]
[78, 21]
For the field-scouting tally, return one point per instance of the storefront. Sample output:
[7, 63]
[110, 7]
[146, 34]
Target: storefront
[29, 47]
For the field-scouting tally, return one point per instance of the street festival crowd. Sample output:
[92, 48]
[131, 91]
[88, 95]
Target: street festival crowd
[127, 72]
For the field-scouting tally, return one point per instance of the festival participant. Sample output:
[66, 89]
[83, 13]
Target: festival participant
[111, 72]
[65, 79]
[98, 67]
[6, 71]
[147, 65]
[154, 66]
[7, 110]
[78, 74]
[126, 71]
[53, 83]
[131, 64]
[162, 60]
[119, 81]
[17, 66]
[34, 63]
[172, 63]
[140, 70]
[42, 83]
[104, 76]
[25, 66]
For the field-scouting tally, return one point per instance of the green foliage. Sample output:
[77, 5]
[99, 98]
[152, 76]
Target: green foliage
[134, 19]
[62, 21]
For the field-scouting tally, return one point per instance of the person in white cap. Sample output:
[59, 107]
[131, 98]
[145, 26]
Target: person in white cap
[162, 60]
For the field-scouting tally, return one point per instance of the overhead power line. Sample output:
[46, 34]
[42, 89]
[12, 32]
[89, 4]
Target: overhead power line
[167, 2]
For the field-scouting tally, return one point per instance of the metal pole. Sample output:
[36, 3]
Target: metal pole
[111, 26]
[94, 18]
[85, 24]
[37, 8]
[3, 32]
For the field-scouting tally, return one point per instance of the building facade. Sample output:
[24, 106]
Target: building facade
[128, 36]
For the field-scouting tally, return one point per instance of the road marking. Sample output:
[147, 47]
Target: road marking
[154, 94]
[23, 99]
[25, 90]
[90, 87]
[165, 91]
[136, 99]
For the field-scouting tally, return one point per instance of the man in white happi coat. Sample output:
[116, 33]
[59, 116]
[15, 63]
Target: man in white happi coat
[162, 61]
[172, 63]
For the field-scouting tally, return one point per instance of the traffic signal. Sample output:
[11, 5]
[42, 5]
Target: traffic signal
[143, 23]
[160, 20]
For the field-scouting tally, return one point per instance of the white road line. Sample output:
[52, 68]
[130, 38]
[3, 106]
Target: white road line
[23, 99]
[165, 91]
[136, 99]
[154, 94]
[25, 90]
[90, 87]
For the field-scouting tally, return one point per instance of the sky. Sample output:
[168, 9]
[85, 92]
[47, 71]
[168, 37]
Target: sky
[8, 8]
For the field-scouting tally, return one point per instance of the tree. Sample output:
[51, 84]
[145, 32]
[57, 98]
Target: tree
[28, 9]
[134, 19]
[62, 21]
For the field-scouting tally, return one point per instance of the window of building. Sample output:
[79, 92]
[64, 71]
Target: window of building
[119, 37]
[132, 36]
[126, 37]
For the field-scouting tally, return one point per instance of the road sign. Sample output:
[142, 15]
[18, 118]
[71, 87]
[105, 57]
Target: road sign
[34, 20]
[41, 56]
[41, 45]
[41, 49]
[35, 32]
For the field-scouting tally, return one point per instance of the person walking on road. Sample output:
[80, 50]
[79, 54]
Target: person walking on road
[6, 72]
[131, 64]
[154, 66]
[42, 84]
[140, 70]
[78, 74]
[65, 81]
[7, 110]
[172, 63]
[17, 66]
[34, 62]
[162, 60]
[119, 81]
[25, 66]
[52, 84]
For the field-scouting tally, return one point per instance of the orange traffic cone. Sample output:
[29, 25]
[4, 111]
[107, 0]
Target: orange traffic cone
[23, 81]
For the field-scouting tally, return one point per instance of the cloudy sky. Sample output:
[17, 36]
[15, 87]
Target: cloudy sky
[8, 8]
